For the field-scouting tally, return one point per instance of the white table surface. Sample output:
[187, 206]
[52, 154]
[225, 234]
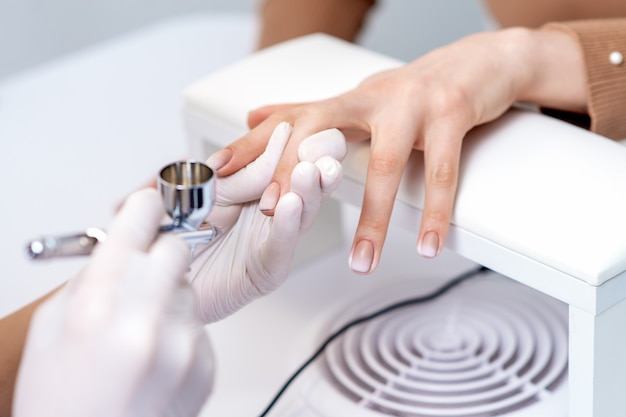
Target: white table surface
[79, 133]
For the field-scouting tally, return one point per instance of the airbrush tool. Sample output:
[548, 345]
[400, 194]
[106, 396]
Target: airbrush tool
[188, 192]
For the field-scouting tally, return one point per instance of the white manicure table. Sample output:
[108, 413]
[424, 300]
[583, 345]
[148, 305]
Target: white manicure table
[539, 201]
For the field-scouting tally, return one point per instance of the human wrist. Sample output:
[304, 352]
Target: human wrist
[555, 70]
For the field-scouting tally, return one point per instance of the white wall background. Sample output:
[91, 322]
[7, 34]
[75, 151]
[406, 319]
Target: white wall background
[33, 31]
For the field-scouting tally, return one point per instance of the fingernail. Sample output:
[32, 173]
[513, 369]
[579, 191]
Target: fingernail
[305, 169]
[269, 199]
[362, 256]
[219, 158]
[429, 245]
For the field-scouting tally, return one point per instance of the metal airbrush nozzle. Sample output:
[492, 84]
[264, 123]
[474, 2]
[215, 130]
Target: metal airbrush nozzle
[188, 192]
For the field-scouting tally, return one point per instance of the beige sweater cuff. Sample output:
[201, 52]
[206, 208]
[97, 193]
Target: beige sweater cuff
[606, 81]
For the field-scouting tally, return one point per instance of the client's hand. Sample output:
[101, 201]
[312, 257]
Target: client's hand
[427, 105]
[123, 337]
[252, 258]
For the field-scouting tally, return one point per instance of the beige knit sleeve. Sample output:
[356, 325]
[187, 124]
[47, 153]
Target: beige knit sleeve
[606, 80]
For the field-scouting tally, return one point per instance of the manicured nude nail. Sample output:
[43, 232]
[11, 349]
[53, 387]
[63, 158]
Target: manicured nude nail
[269, 199]
[219, 158]
[429, 245]
[362, 257]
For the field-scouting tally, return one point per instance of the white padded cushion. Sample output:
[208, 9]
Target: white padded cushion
[309, 68]
[547, 190]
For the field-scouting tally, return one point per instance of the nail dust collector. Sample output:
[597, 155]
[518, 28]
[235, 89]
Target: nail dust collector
[540, 202]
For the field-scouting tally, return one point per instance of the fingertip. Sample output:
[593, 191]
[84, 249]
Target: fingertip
[137, 222]
[234, 164]
[146, 200]
[146, 193]
[255, 117]
[251, 146]
[305, 172]
[361, 258]
[290, 202]
[284, 127]
[288, 216]
[172, 253]
[331, 174]
[269, 199]
[329, 166]
[259, 115]
[220, 158]
[279, 137]
[306, 182]
[240, 157]
[428, 245]
[326, 142]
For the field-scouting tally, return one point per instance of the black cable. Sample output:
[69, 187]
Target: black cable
[416, 300]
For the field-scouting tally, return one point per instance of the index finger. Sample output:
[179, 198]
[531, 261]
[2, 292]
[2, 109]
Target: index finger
[247, 148]
[132, 233]
[255, 117]
[310, 119]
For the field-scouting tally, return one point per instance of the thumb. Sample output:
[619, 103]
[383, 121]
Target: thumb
[329, 142]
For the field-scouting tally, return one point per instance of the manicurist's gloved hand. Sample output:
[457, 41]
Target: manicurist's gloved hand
[123, 337]
[253, 256]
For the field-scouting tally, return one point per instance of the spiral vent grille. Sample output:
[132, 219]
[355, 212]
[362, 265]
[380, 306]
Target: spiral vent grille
[487, 348]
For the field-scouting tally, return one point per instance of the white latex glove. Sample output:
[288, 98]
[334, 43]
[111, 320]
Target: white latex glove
[253, 256]
[122, 338]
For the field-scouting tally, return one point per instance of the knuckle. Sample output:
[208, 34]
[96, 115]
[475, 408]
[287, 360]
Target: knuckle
[443, 175]
[384, 164]
[373, 227]
[451, 102]
[309, 112]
